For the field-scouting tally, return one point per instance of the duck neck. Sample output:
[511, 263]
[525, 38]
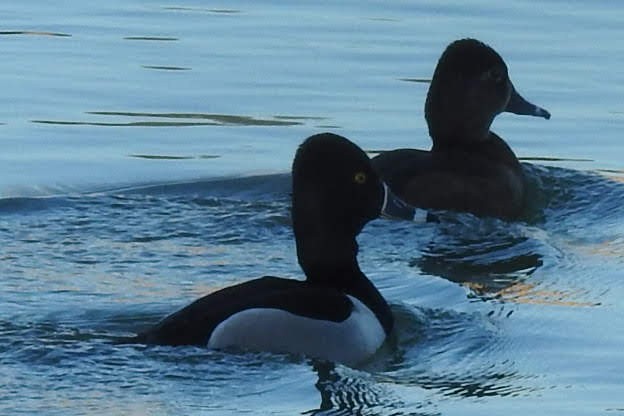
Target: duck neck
[332, 262]
[461, 137]
[494, 150]
[449, 122]
[447, 144]
[329, 262]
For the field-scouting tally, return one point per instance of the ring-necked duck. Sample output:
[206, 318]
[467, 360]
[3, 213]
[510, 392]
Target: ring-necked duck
[336, 313]
[469, 168]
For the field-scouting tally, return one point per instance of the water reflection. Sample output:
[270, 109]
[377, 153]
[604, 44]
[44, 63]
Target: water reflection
[201, 9]
[181, 119]
[166, 67]
[418, 80]
[216, 119]
[129, 124]
[173, 157]
[184, 119]
[383, 19]
[485, 255]
[529, 293]
[485, 268]
[34, 33]
[154, 38]
[497, 259]
[553, 159]
[433, 353]
[572, 218]
[344, 391]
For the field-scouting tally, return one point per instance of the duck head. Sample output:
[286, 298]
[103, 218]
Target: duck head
[470, 87]
[335, 192]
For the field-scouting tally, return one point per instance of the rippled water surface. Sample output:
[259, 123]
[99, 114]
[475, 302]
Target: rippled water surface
[145, 155]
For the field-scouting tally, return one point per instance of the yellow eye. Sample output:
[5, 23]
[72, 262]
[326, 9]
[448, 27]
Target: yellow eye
[359, 178]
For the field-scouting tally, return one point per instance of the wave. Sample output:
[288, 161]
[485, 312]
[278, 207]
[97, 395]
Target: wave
[246, 188]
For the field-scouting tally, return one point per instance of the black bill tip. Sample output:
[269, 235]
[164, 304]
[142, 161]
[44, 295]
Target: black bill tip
[518, 105]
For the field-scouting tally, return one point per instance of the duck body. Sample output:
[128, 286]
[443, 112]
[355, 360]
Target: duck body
[336, 314]
[485, 179]
[469, 168]
[279, 315]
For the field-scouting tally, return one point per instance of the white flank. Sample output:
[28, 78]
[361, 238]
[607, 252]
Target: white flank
[348, 342]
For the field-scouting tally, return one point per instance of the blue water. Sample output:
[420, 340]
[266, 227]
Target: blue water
[145, 155]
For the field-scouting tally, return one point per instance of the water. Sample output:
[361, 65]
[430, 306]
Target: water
[145, 156]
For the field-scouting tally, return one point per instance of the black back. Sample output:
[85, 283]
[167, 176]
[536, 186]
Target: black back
[193, 324]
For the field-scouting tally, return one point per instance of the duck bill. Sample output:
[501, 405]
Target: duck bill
[395, 208]
[519, 105]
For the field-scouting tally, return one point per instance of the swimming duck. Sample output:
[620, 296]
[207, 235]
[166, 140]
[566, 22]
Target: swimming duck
[469, 168]
[336, 313]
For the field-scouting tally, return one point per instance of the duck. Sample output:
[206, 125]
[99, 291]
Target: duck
[336, 313]
[469, 168]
